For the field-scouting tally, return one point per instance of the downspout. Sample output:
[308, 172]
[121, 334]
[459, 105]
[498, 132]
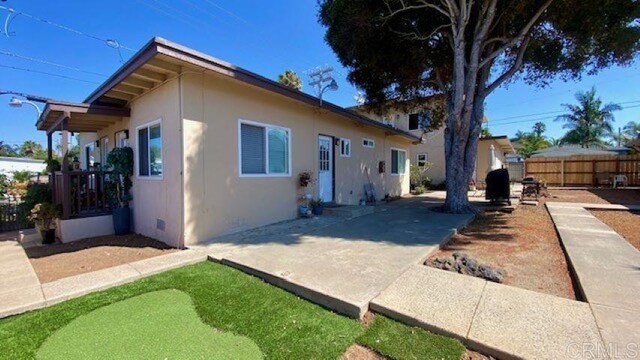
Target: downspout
[182, 190]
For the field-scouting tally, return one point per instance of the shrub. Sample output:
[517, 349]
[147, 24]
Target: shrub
[120, 161]
[44, 215]
[21, 176]
[418, 177]
[419, 190]
[35, 194]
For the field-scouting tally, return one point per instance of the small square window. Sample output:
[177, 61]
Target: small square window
[368, 143]
[345, 147]
[422, 160]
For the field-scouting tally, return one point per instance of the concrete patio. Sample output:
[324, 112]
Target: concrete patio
[345, 264]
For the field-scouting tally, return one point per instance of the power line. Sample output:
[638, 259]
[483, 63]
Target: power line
[47, 73]
[543, 118]
[112, 43]
[556, 112]
[6, 53]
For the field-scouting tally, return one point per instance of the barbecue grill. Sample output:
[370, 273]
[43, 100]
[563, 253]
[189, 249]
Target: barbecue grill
[498, 189]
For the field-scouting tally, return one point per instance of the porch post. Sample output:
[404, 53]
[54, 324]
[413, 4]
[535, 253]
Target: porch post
[52, 174]
[66, 193]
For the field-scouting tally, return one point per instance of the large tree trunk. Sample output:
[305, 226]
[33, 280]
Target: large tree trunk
[460, 154]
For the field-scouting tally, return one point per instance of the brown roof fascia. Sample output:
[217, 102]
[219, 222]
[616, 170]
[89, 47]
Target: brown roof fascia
[161, 46]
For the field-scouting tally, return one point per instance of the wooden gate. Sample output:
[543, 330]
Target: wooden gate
[584, 170]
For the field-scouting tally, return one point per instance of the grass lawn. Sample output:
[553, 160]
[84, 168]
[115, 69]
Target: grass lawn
[398, 341]
[238, 308]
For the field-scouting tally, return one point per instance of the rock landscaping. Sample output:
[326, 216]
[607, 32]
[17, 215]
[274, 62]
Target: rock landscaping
[464, 264]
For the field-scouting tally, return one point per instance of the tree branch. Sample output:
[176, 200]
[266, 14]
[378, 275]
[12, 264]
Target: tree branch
[514, 68]
[520, 36]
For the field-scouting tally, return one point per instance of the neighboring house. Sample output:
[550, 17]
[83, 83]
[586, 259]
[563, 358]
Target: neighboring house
[218, 149]
[572, 150]
[10, 164]
[430, 152]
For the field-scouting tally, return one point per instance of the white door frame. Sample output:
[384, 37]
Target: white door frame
[326, 176]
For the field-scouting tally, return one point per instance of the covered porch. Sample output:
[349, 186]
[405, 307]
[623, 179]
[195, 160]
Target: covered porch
[79, 192]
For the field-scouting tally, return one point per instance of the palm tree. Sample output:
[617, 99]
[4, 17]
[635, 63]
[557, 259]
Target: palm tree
[555, 141]
[291, 79]
[632, 130]
[588, 121]
[7, 150]
[539, 128]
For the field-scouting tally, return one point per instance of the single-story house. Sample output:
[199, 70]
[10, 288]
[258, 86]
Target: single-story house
[218, 149]
[8, 165]
[429, 152]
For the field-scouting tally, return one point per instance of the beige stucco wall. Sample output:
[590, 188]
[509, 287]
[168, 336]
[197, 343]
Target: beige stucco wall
[154, 199]
[219, 201]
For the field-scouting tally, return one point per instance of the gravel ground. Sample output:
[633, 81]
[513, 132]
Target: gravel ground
[57, 261]
[625, 223]
[596, 196]
[524, 244]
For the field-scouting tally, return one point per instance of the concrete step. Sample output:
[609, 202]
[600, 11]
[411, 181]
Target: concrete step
[495, 319]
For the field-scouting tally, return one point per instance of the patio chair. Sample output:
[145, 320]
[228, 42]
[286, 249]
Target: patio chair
[620, 179]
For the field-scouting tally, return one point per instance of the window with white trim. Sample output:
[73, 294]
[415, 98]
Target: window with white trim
[368, 143]
[264, 149]
[150, 150]
[422, 160]
[398, 161]
[345, 147]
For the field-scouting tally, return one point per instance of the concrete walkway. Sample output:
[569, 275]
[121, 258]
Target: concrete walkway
[19, 285]
[345, 265]
[607, 269]
[21, 291]
[498, 320]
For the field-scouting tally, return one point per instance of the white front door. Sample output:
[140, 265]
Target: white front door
[325, 168]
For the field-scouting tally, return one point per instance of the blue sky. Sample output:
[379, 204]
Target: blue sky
[264, 37]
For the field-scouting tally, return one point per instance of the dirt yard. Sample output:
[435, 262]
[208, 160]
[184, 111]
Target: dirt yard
[625, 223]
[57, 261]
[524, 244]
[596, 196]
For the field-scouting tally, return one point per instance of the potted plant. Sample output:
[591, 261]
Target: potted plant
[120, 161]
[306, 178]
[317, 206]
[44, 216]
[304, 209]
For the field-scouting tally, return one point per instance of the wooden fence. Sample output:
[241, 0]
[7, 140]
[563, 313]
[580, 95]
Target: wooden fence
[584, 170]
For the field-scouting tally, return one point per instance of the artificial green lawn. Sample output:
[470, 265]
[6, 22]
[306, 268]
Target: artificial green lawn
[157, 325]
[282, 325]
[402, 342]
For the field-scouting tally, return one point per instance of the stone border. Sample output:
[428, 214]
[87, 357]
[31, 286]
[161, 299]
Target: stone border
[79, 285]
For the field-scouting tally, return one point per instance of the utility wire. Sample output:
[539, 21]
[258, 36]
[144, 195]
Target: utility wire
[543, 118]
[48, 73]
[109, 42]
[10, 54]
[555, 112]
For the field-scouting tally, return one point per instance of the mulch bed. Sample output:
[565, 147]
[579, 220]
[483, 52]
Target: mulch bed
[596, 196]
[625, 223]
[524, 244]
[57, 261]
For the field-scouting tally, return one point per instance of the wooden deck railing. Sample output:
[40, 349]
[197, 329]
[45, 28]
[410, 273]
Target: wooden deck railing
[81, 193]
